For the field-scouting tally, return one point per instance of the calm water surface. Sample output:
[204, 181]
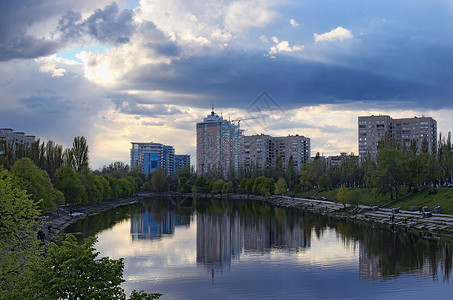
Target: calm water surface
[225, 249]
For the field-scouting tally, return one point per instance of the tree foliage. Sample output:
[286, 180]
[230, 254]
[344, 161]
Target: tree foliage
[73, 271]
[37, 184]
[20, 219]
[158, 180]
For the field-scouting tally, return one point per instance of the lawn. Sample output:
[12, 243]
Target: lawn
[442, 197]
[364, 196]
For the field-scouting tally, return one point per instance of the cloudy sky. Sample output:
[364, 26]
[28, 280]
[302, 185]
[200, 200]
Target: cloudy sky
[148, 70]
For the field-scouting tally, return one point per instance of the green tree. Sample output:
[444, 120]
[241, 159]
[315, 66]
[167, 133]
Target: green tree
[69, 183]
[217, 186]
[280, 186]
[324, 181]
[228, 187]
[200, 184]
[20, 219]
[36, 182]
[73, 271]
[80, 153]
[159, 180]
[306, 176]
[291, 175]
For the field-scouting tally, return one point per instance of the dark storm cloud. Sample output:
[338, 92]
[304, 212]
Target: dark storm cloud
[237, 79]
[15, 18]
[108, 25]
[47, 102]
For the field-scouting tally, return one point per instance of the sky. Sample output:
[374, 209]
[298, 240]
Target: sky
[128, 71]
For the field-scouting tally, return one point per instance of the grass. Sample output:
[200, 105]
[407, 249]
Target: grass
[365, 196]
[442, 197]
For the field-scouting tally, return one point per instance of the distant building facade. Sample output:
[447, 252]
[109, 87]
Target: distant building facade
[9, 137]
[220, 145]
[149, 156]
[181, 161]
[263, 150]
[371, 129]
[337, 160]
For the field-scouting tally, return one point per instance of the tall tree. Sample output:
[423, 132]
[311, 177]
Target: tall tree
[20, 219]
[159, 180]
[69, 183]
[80, 153]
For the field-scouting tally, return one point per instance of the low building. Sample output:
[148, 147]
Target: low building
[337, 160]
[16, 139]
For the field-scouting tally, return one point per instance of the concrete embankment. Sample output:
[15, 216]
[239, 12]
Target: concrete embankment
[437, 223]
[59, 221]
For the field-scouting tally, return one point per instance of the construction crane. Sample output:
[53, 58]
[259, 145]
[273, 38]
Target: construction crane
[245, 119]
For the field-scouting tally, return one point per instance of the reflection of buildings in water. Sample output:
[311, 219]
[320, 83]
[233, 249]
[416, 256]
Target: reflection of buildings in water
[368, 266]
[223, 237]
[145, 225]
[261, 235]
[219, 238]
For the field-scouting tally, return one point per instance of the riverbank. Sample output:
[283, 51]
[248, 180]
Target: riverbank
[57, 222]
[394, 219]
[437, 224]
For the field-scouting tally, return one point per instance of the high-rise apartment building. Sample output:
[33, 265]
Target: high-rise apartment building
[373, 128]
[149, 156]
[220, 145]
[263, 150]
[181, 160]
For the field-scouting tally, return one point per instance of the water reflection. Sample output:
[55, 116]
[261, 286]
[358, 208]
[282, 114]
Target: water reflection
[252, 239]
[222, 237]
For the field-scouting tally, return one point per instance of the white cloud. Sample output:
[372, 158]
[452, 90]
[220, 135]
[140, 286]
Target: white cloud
[337, 34]
[283, 46]
[263, 38]
[50, 68]
[294, 23]
[242, 15]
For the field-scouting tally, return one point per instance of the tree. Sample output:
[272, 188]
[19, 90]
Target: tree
[158, 179]
[80, 153]
[324, 181]
[291, 175]
[341, 196]
[280, 186]
[73, 271]
[69, 183]
[217, 186]
[20, 219]
[228, 187]
[36, 182]
[306, 175]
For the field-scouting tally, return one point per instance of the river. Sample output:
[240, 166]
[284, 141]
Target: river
[231, 249]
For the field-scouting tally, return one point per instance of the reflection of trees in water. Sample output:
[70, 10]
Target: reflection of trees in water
[397, 253]
[388, 253]
[105, 220]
